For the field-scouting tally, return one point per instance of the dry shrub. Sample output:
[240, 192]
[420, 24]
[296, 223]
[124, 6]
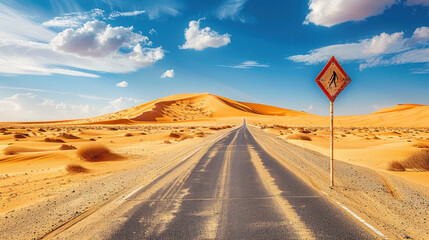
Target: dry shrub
[420, 145]
[11, 150]
[75, 168]
[129, 135]
[175, 135]
[304, 130]
[418, 161]
[41, 130]
[200, 134]
[54, 140]
[143, 133]
[298, 136]
[185, 136]
[167, 142]
[19, 135]
[395, 166]
[93, 152]
[92, 139]
[67, 136]
[67, 147]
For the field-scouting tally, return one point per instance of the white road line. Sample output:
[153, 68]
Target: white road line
[357, 217]
[185, 158]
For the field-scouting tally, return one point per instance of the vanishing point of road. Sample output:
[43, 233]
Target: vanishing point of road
[236, 190]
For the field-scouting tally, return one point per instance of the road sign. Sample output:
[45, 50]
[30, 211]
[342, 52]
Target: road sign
[332, 79]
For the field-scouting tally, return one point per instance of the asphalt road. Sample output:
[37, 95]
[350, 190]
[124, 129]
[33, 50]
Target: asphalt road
[237, 191]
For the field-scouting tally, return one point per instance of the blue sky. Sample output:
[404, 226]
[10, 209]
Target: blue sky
[72, 59]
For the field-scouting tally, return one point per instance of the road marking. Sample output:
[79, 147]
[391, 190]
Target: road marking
[357, 217]
[185, 158]
[282, 203]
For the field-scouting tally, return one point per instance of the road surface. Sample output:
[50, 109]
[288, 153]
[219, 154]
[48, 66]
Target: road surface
[236, 190]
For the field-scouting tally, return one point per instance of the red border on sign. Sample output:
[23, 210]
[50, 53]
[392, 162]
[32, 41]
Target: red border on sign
[347, 79]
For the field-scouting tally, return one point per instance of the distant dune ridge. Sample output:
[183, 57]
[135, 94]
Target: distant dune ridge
[188, 107]
[206, 106]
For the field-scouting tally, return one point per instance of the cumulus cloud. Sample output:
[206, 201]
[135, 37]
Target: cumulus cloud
[418, 2]
[146, 56]
[199, 39]
[231, 9]
[120, 103]
[96, 39]
[168, 74]
[116, 14]
[94, 46]
[33, 107]
[383, 49]
[331, 12]
[122, 84]
[247, 64]
[74, 19]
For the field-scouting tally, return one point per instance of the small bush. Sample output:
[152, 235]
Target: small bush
[92, 139]
[129, 135]
[395, 166]
[175, 135]
[75, 168]
[421, 145]
[297, 136]
[418, 161]
[67, 147]
[54, 140]
[167, 142]
[93, 152]
[67, 136]
[19, 135]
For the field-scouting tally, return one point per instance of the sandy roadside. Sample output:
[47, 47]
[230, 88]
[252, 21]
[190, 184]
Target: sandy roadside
[40, 217]
[396, 207]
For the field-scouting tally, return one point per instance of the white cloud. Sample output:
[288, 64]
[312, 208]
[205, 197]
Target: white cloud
[418, 2]
[56, 92]
[95, 46]
[14, 26]
[331, 12]
[383, 49]
[152, 31]
[116, 14]
[122, 84]
[75, 19]
[160, 10]
[231, 9]
[120, 103]
[32, 107]
[200, 39]
[309, 109]
[168, 74]
[247, 64]
[96, 39]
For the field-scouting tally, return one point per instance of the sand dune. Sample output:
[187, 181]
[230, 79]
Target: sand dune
[188, 107]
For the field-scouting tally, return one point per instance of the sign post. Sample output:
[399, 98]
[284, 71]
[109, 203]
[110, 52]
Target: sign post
[332, 80]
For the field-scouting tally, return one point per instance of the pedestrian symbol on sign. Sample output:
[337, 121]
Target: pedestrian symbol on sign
[333, 79]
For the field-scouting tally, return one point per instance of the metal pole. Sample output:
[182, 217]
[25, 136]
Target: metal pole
[332, 145]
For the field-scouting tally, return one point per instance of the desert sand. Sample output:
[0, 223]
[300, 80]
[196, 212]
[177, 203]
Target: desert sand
[41, 159]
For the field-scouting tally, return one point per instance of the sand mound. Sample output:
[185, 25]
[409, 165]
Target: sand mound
[12, 150]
